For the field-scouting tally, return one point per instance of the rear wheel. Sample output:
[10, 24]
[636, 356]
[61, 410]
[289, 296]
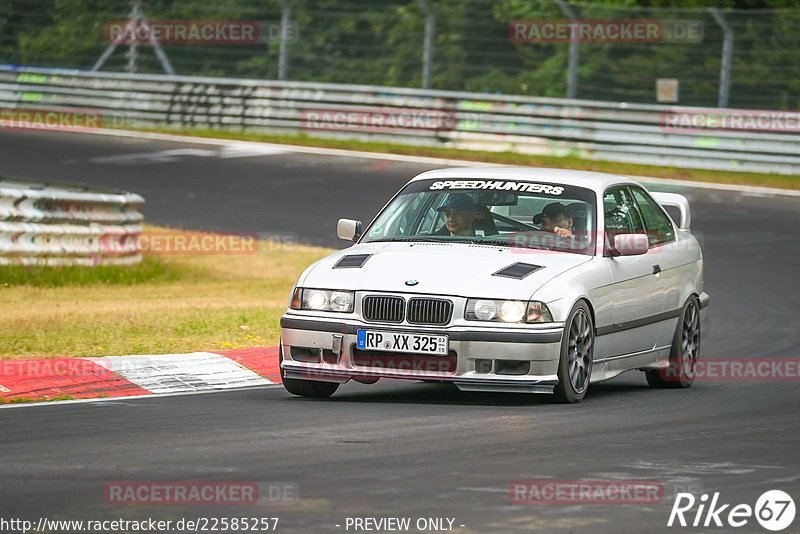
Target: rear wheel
[680, 369]
[305, 388]
[577, 352]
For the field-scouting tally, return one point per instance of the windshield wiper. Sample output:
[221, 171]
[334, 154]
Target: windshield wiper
[529, 245]
[463, 239]
[418, 238]
[495, 242]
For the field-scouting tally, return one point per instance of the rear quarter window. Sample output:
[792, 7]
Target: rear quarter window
[657, 223]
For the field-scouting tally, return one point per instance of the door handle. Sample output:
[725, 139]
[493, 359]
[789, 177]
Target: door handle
[656, 269]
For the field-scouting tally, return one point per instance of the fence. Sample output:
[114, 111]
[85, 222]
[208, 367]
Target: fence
[638, 133]
[741, 58]
[67, 224]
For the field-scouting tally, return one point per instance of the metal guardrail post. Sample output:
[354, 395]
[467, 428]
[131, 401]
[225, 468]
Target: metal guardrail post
[427, 51]
[283, 54]
[133, 51]
[727, 57]
[572, 67]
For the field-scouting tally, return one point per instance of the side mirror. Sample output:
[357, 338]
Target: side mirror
[348, 229]
[630, 244]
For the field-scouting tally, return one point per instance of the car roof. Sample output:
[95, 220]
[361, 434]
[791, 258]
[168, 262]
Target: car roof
[597, 181]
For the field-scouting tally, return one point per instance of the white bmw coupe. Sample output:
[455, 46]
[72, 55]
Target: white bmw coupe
[503, 279]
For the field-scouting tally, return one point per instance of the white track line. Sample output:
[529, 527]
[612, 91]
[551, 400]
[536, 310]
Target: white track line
[130, 397]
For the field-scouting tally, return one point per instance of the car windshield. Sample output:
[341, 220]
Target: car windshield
[509, 213]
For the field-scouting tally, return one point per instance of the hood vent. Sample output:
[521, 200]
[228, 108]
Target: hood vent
[353, 261]
[518, 270]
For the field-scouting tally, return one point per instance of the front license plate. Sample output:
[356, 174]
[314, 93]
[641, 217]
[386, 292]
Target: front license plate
[402, 342]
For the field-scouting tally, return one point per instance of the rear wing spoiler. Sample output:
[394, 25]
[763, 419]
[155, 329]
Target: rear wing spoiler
[676, 201]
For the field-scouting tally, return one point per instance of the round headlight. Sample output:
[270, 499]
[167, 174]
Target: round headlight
[485, 310]
[317, 300]
[512, 311]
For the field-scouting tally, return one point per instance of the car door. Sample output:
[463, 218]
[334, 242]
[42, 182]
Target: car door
[636, 301]
[668, 258]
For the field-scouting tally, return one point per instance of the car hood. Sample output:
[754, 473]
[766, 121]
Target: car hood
[440, 268]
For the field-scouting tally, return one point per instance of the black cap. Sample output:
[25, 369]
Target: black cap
[459, 201]
[552, 210]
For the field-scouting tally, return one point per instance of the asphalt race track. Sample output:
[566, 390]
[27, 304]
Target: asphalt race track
[409, 449]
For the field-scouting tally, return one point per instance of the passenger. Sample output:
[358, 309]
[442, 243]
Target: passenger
[556, 218]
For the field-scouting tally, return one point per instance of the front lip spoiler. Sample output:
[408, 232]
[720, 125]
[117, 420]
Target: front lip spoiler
[317, 325]
[296, 371]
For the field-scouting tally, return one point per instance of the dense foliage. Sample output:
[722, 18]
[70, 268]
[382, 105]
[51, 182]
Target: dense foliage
[380, 42]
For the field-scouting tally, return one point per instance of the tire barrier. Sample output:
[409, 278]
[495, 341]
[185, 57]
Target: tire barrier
[67, 224]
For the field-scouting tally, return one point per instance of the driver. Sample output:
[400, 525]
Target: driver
[460, 213]
[556, 218]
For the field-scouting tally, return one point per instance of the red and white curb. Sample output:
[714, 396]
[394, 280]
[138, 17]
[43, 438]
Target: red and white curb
[121, 376]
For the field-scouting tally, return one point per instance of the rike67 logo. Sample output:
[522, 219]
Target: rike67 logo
[774, 510]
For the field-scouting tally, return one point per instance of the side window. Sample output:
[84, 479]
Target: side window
[658, 224]
[393, 219]
[620, 211]
[404, 215]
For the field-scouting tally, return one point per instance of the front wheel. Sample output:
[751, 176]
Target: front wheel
[577, 352]
[305, 388]
[681, 367]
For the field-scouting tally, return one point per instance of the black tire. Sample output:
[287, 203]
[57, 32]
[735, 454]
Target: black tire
[305, 388]
[684, 353]
[577, 352]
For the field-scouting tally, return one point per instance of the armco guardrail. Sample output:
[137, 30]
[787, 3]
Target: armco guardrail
[67, 224]
[546, 126]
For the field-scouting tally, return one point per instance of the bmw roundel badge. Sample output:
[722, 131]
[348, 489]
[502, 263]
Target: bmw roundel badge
[412, 282]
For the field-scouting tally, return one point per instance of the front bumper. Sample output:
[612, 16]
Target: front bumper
[522, 359]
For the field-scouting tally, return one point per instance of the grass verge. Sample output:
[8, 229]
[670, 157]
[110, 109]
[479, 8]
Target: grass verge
[167, 304]
[20, 400]
[509, 158]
